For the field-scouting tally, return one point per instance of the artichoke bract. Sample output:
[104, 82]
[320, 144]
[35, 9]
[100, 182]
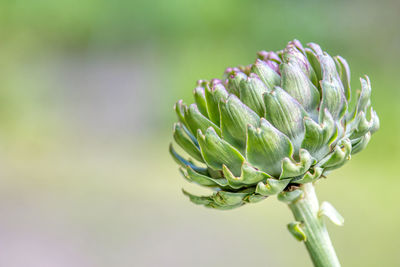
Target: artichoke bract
[269, 127]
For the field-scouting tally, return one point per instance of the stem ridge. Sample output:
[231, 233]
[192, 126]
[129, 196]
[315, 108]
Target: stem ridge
[318, 242]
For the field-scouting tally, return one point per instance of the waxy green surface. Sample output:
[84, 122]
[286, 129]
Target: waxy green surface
[271, 126]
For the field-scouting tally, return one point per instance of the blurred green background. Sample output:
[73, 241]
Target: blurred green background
[86, 96]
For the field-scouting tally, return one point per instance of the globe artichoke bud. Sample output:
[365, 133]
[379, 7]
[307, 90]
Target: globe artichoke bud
[269, 127]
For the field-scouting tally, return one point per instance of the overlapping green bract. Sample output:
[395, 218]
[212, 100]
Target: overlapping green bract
[270, 126]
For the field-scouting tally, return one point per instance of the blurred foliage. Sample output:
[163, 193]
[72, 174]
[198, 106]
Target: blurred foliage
[56, 120]
[189, 40]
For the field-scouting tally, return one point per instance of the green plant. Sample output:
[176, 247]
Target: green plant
[276, 127]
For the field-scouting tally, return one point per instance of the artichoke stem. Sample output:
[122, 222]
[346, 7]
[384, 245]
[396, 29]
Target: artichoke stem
[318, 243]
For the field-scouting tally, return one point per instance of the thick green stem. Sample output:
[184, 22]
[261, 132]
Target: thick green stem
[318, 243]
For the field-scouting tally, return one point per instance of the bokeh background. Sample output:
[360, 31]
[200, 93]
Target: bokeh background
[86, 96]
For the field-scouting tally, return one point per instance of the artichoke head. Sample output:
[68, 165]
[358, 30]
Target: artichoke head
[267, 128]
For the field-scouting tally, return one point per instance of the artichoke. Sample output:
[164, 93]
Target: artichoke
[272, 126]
